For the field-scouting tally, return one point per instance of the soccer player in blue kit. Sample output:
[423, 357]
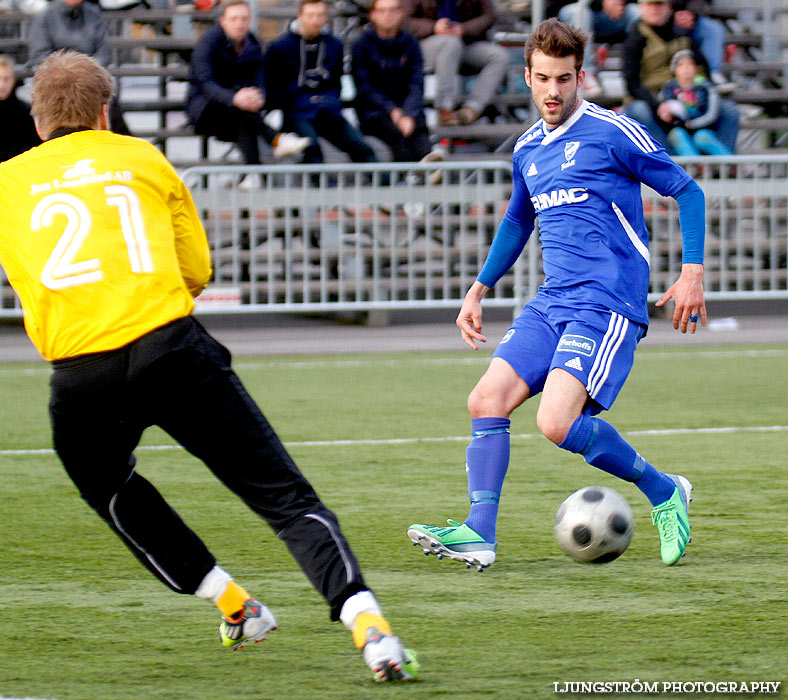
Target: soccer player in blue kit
[579, 169]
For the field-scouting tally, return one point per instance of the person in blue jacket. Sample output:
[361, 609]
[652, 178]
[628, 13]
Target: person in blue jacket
[303, 78]
[226, 88]
[389, 76]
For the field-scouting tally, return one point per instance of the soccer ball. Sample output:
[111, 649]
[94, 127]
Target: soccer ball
[594, 525]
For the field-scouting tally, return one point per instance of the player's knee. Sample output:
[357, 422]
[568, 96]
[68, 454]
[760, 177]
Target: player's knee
[483, 401]
[552, 426]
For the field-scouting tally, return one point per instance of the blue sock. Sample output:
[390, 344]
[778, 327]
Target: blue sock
[487, 459]
[603, 448]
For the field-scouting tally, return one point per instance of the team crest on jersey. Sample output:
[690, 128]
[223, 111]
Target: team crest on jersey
[570, 149]
[532, 170]
[578, 344]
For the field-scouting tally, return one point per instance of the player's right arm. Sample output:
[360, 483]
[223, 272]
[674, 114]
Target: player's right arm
[191, 243]
[510, 239]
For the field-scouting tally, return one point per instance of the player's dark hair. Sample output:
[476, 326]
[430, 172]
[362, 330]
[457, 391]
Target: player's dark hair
[69, 89]
[556, 39]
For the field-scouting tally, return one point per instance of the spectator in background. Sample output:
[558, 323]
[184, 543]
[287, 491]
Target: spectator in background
[226, 89]
[648, 49]
[389, 78]
[303, 78]
[608, 21]
[709, 34]
[80, 26]
[453, 38]
[692, 104]
[19, 131]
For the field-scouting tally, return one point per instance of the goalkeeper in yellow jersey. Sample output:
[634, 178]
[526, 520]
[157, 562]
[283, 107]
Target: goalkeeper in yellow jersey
[102, 243]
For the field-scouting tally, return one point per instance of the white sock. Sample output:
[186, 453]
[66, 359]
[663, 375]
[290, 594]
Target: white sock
[361, 602]
[213, 585]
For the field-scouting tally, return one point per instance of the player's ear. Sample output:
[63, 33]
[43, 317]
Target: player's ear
[40, 133]
[528, 76]
[104, 118]
[581, 76]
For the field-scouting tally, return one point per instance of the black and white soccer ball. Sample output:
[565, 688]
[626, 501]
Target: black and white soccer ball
[594, 525]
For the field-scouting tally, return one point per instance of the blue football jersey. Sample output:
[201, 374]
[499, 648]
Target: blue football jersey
[582, 180]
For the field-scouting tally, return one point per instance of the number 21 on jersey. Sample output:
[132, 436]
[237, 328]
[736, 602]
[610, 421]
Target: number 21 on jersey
[62, 269]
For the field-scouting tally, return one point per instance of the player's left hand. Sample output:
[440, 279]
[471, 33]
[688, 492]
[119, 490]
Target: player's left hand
[687, 292]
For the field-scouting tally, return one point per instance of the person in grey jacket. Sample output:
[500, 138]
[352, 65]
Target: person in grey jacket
[80, 26]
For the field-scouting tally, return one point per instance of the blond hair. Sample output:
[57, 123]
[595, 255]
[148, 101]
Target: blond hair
[69, 89]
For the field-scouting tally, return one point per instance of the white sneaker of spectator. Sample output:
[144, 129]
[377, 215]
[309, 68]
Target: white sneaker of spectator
[591, 87]
[251, 181]
[723, 85]
[289, 144]
[437, 154]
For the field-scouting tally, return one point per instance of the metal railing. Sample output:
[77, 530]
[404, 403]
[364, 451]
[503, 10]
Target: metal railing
[353, 237]
[387, 236]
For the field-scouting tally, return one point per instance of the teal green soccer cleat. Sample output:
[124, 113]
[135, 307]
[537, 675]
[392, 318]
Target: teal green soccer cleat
[672, 521]
[458, 542]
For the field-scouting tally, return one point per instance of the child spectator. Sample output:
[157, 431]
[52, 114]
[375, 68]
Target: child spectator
[692, 103]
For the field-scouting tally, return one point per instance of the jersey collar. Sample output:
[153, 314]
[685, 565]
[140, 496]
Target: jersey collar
[559, 131]
[65, 130]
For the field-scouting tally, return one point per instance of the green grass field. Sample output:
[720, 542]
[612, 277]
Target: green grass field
[81, 620]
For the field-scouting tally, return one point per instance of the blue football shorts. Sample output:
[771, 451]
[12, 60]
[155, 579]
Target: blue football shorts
[592, 343]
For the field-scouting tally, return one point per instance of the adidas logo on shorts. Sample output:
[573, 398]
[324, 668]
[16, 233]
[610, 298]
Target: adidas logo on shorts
[574, 363]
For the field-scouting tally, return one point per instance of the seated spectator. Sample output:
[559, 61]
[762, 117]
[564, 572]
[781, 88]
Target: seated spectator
[692, 104]
[303, 78]
[709, 34]
[80, 26]
[387, 70]
[608, 21]
[453, 38]
[648, 49]
[19, 132]
[226, 88]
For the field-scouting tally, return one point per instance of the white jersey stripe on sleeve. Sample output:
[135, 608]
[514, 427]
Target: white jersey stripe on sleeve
[632, 130]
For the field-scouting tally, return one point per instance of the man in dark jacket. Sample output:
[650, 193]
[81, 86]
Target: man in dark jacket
[387, 70]
[453, 38]
[303, 78]
[226, 91]
[19, 131]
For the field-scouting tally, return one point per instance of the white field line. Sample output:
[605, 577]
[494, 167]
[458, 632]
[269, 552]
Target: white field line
[462, 438]
[410, 360]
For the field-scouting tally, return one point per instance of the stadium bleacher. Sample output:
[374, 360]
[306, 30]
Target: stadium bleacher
[144, 53]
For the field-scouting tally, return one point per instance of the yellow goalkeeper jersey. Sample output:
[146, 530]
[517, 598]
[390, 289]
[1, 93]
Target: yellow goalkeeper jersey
[101, 241]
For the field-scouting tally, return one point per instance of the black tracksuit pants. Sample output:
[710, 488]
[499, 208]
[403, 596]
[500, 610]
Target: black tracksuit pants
[179, 378]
